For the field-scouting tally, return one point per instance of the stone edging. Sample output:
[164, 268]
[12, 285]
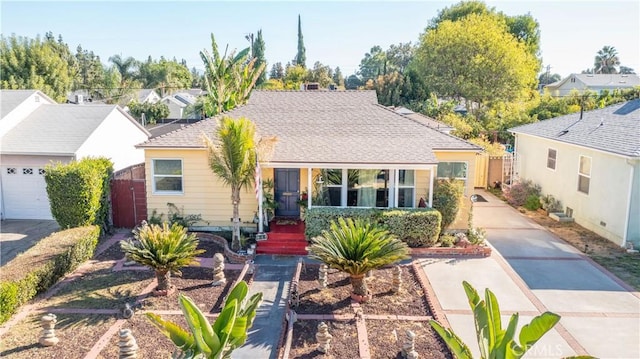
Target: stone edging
[286, 337]
[231, 256]
[471, 251]
[432, 301]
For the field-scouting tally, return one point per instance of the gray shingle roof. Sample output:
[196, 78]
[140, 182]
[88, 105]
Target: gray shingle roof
[614, 129]
[10, 99]
[55, 129]
[602, 80]
[328, 127]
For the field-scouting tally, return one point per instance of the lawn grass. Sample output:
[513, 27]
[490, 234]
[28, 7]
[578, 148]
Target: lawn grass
[625, 266]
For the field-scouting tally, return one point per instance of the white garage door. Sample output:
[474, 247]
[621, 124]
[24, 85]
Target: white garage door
[24, 193]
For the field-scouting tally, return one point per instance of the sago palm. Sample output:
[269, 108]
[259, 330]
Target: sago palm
[165, 249]
[356, 247]
[217, 340]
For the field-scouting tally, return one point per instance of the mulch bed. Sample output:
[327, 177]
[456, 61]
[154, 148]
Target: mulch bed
[78, 333]
[151, 342]
[336, 298]
[195, 283]
[343, 345]
[112, 253]
[210, 247]
[387, 336]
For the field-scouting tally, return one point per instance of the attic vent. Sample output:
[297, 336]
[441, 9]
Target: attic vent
[312, 86]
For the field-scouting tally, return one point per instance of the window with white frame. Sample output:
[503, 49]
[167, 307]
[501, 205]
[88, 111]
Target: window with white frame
[551, 158]
[457, 170]
[328, 188]
[167, 176]
[584, 174]
[406, 188]
[368, 188]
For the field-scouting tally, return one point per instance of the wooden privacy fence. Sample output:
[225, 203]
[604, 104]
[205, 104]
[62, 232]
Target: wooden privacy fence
[129, 197]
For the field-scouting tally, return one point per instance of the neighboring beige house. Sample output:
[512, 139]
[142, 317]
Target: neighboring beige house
[340, 147]
[35, 131]
[593, 82]
[592, 165]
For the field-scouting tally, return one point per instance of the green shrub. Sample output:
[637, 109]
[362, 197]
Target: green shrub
[447, 240]
[447, 197]
[319, 219]
[532, 203]
[416, 227]
[550, 204]
[42, 265]
[519, 192]
[79, 192]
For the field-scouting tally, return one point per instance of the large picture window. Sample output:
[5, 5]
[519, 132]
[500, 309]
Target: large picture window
[406, 188]
[551, 159]
[368, 188]
[584, 174]
[167, 176]
[328, 188]
[457, 170]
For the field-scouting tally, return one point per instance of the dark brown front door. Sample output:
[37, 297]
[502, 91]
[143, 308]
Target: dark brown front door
[287, 191]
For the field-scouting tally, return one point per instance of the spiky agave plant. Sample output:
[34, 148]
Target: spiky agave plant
[217, 340]
[164, 249]
[356, 247]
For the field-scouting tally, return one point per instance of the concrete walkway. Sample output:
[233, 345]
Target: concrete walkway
[530, 272]
[272, 278]
[18, 235]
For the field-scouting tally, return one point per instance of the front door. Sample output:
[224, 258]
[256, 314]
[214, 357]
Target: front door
[287, 191]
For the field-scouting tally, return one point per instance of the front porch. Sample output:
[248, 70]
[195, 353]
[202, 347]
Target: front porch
[286, 237]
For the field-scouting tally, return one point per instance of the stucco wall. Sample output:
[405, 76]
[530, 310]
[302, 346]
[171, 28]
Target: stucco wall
[115, 139]
[604, 209]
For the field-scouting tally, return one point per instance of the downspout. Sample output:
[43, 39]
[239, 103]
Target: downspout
[628, 215]
[433, 168]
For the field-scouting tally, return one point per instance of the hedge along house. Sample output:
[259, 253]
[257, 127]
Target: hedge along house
[334, 148]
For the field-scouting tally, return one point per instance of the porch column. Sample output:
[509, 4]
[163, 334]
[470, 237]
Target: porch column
[396, 181]
[309, 189]
[431, 176]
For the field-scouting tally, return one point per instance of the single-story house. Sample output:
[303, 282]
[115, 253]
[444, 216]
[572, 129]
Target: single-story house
[591, 164]
[593, 82]
[179, 103]
[334, 149]
[51, 132]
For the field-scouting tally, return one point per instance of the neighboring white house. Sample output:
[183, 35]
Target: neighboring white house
[592, 165]
[593, 82]
[179, 103]
[51, 132]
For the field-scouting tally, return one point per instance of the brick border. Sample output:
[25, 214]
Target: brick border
[232, 256]
[471, 251]
[430, 295]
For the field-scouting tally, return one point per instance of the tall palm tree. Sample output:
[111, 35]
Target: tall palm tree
[229, 79]
[606, 61]
[163, 248]
[356, 247]
[125, 67]
[232, 157]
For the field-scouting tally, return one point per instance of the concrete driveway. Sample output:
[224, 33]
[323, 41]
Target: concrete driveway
[532, 271]
[18, 235]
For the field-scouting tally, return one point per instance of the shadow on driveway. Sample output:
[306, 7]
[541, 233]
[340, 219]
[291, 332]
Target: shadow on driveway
[18, 235]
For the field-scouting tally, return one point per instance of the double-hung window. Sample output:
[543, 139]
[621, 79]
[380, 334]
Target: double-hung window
[551, 158]
[406, 188]
[167, 176]
[457, 170]
[584, 174]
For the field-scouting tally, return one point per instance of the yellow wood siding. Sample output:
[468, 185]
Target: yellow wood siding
[204, 193]
[469, 158]
[422, 186]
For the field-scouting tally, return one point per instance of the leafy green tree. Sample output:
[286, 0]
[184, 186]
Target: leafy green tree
[373, 64]
[35, 64]
[606, 61]
[232, 158]
[477, 59]
[164, 249]
[90, 72]
[627, 70]
[320, 74]
[152, 111]
[272, 84]
[294, 76]
[494, 340]
[127, 67]
[353, 82]
[546, 78]
[229, 79]
[217, 341]
[258, 53]
[356, 247]
[277, 71]
[399, 56]
[166, 76]
[301, 55]
[447, 198]
[338, 77]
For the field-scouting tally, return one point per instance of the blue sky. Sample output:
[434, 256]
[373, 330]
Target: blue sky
[336, 33]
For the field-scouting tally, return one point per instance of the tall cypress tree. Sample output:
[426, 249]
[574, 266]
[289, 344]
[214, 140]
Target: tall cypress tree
[258, 53]
[301, 57]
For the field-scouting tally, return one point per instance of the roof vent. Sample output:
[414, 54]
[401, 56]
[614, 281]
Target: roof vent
[79, 99]
[312, 86]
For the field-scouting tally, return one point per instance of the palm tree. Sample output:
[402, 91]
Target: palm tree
[165, 249]
[232, 157]
[229, 79]
[356, 247]
[125, 67]
[607, 61]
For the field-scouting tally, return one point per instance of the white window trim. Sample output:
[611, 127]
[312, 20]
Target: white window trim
[153, 177]
[555, 161]
[398, 187]
[584, 175]
[457, 178]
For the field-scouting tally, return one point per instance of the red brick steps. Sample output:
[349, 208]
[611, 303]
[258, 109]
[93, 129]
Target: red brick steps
[284, 239]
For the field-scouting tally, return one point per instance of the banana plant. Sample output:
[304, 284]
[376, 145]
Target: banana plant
[494, 341]
[211, 341]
